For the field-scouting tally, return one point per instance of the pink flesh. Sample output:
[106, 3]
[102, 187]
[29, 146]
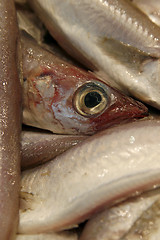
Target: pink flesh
[53, 108]
[10, 124]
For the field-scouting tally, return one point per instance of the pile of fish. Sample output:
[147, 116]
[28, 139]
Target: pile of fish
[84, 79]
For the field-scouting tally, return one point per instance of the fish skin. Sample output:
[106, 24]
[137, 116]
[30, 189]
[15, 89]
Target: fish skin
[48, 236]
[29, 22]
[150, 8]
[115, 223]
[49, 89]
[94, 174]
[10, 121]
[115, 14]
[147, 227]
[90, 43]
[40, 147]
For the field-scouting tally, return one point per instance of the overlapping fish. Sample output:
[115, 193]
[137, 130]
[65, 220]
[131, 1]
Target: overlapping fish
[107, 167]
[98, 172]
[135, 219]
[113, 38]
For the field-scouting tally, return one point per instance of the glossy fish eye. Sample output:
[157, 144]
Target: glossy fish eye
[91, 99]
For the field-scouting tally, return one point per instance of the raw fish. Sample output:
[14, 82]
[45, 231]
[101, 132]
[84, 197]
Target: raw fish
[103, 169]
[113, 38]
[39, 147]
[49, 236]
[115, 223]
[30, 23]
[66, 99]
[10, 120]
[151, 8]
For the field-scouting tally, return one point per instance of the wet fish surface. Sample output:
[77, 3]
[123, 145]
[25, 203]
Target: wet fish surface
[49, 236]
[104, 169]
[150, 8]
[147, 227]
[112, 38]
[28, 21]
[40, 147]
[65, 99]
[117, 222]
[10, 121]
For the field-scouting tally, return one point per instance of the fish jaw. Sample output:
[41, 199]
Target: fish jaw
[86, 45]
[122, 110]
[95, 174]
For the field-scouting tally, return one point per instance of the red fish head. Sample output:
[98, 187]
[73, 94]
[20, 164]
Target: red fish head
[65, 100]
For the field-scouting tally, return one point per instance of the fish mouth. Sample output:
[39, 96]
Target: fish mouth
[123, 111]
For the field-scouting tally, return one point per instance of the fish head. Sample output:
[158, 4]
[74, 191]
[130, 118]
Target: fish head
[65, 100]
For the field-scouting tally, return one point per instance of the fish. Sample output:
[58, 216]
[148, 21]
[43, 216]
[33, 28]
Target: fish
[103, 170]
[65, 99]
[112, 38]
[10, 120]
[147, 227]
[49, 236]
[150, 8]
[39, 147]
[28, 21]
[135, 218]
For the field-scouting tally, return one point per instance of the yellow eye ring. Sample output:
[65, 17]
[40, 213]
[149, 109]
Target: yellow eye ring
[91, 99]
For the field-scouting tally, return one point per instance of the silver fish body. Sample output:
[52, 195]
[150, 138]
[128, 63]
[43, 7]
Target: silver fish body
[102, 170]
[132, 219]
[48, 236]
[113, 38]
[40, 147]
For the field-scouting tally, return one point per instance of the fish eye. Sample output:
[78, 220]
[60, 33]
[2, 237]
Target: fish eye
[91, 99]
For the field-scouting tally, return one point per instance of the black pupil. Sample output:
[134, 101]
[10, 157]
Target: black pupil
[92, 99]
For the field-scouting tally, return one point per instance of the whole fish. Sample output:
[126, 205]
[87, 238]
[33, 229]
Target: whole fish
[64, 99]
[113, 38]
[10, 121]
[102, 170]
[134, 219]
[150, 8]
[40, 147]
